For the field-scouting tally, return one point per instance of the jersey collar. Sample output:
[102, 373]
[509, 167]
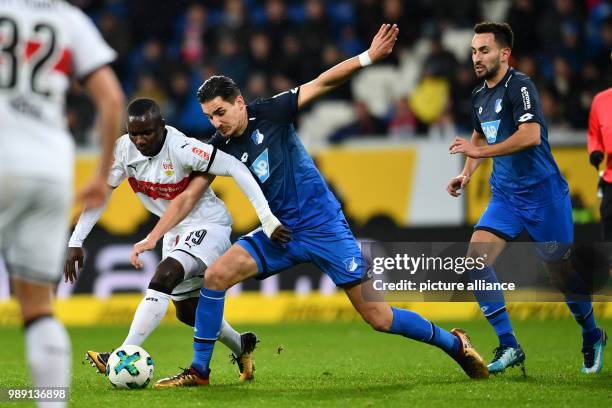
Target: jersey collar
[504, 80]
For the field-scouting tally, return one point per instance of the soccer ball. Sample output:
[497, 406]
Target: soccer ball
[130, 367]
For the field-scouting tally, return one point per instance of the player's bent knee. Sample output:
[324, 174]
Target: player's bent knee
[168, 274]
[216, 279]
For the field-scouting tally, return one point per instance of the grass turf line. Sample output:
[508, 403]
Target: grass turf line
[338, 365]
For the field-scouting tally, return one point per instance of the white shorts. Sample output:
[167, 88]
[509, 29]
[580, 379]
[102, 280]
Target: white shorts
[195, 250]
[34, 217]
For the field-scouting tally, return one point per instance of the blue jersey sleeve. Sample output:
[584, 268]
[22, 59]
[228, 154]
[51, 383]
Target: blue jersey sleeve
[524, 100]
[281, 108]
[475, 122]
[218, 141]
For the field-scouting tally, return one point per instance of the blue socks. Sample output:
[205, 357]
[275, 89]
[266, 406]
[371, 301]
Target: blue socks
[583, 313]
[208, 319]
[414, 326]
[493, 306]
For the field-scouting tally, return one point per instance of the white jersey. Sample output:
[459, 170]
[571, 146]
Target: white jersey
[157, 180]
[43, 43]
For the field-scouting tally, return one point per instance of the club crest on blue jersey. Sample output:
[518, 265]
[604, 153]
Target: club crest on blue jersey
[257, 137]
[351, 264]
[490, 130]
[498, 105]
[261, 166]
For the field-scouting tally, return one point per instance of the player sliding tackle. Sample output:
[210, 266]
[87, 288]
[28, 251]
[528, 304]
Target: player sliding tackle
[263, 136]
[160, 163]
[528, 191]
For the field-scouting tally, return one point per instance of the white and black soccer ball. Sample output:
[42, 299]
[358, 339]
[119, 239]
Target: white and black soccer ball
[130, 367]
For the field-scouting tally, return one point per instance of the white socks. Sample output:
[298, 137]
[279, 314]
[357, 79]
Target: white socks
[230, 337]
[149, 314]
[49, 355]
[152, 310]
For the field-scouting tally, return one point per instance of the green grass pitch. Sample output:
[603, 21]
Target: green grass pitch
[344, 364]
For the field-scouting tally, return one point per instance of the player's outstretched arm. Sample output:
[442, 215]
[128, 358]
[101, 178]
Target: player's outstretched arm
[381, 47]
[89, 217]
[227, 165]
[176, 212]
[108, 97]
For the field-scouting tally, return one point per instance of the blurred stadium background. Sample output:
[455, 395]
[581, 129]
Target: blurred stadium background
[380, 140]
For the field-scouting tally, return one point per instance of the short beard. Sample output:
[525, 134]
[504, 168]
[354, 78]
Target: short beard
[489, 74]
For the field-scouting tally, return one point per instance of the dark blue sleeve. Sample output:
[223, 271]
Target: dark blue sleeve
[475, 121]
[217, 140]
[525, 101]
[281, 108]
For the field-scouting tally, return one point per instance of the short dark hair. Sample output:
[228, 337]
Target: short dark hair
[142, 106]
[502, 32]
[218, 85]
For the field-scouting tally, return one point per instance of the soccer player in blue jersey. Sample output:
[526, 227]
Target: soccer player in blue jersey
[262, 136]
[528, 191]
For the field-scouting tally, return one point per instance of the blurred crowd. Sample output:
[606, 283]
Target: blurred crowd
[166, 48]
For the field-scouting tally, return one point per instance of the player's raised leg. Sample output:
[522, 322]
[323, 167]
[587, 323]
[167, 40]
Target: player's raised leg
[381, 317]
[234, 266]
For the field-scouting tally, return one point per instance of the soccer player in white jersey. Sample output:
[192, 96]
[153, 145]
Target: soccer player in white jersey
[159, 163]
[44, 44]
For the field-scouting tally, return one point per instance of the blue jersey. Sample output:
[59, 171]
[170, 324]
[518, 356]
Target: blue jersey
[271, 149]
[529, 178]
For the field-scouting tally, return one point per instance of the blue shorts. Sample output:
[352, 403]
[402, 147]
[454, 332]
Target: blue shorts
[331, 247]
[551, 225]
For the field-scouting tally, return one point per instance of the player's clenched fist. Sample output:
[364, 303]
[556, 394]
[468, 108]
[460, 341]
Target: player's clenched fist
[74, 261]
[383, 42]
[456, 184]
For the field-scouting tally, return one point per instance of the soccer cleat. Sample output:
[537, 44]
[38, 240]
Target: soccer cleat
[506, 356]
[468, 358]
[187, 378]
[246, 366]
[98, 360]
[593, 355]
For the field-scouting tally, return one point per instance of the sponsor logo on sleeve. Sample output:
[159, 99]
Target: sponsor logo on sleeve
[526, 98]
[525, 117]
[199, 152]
